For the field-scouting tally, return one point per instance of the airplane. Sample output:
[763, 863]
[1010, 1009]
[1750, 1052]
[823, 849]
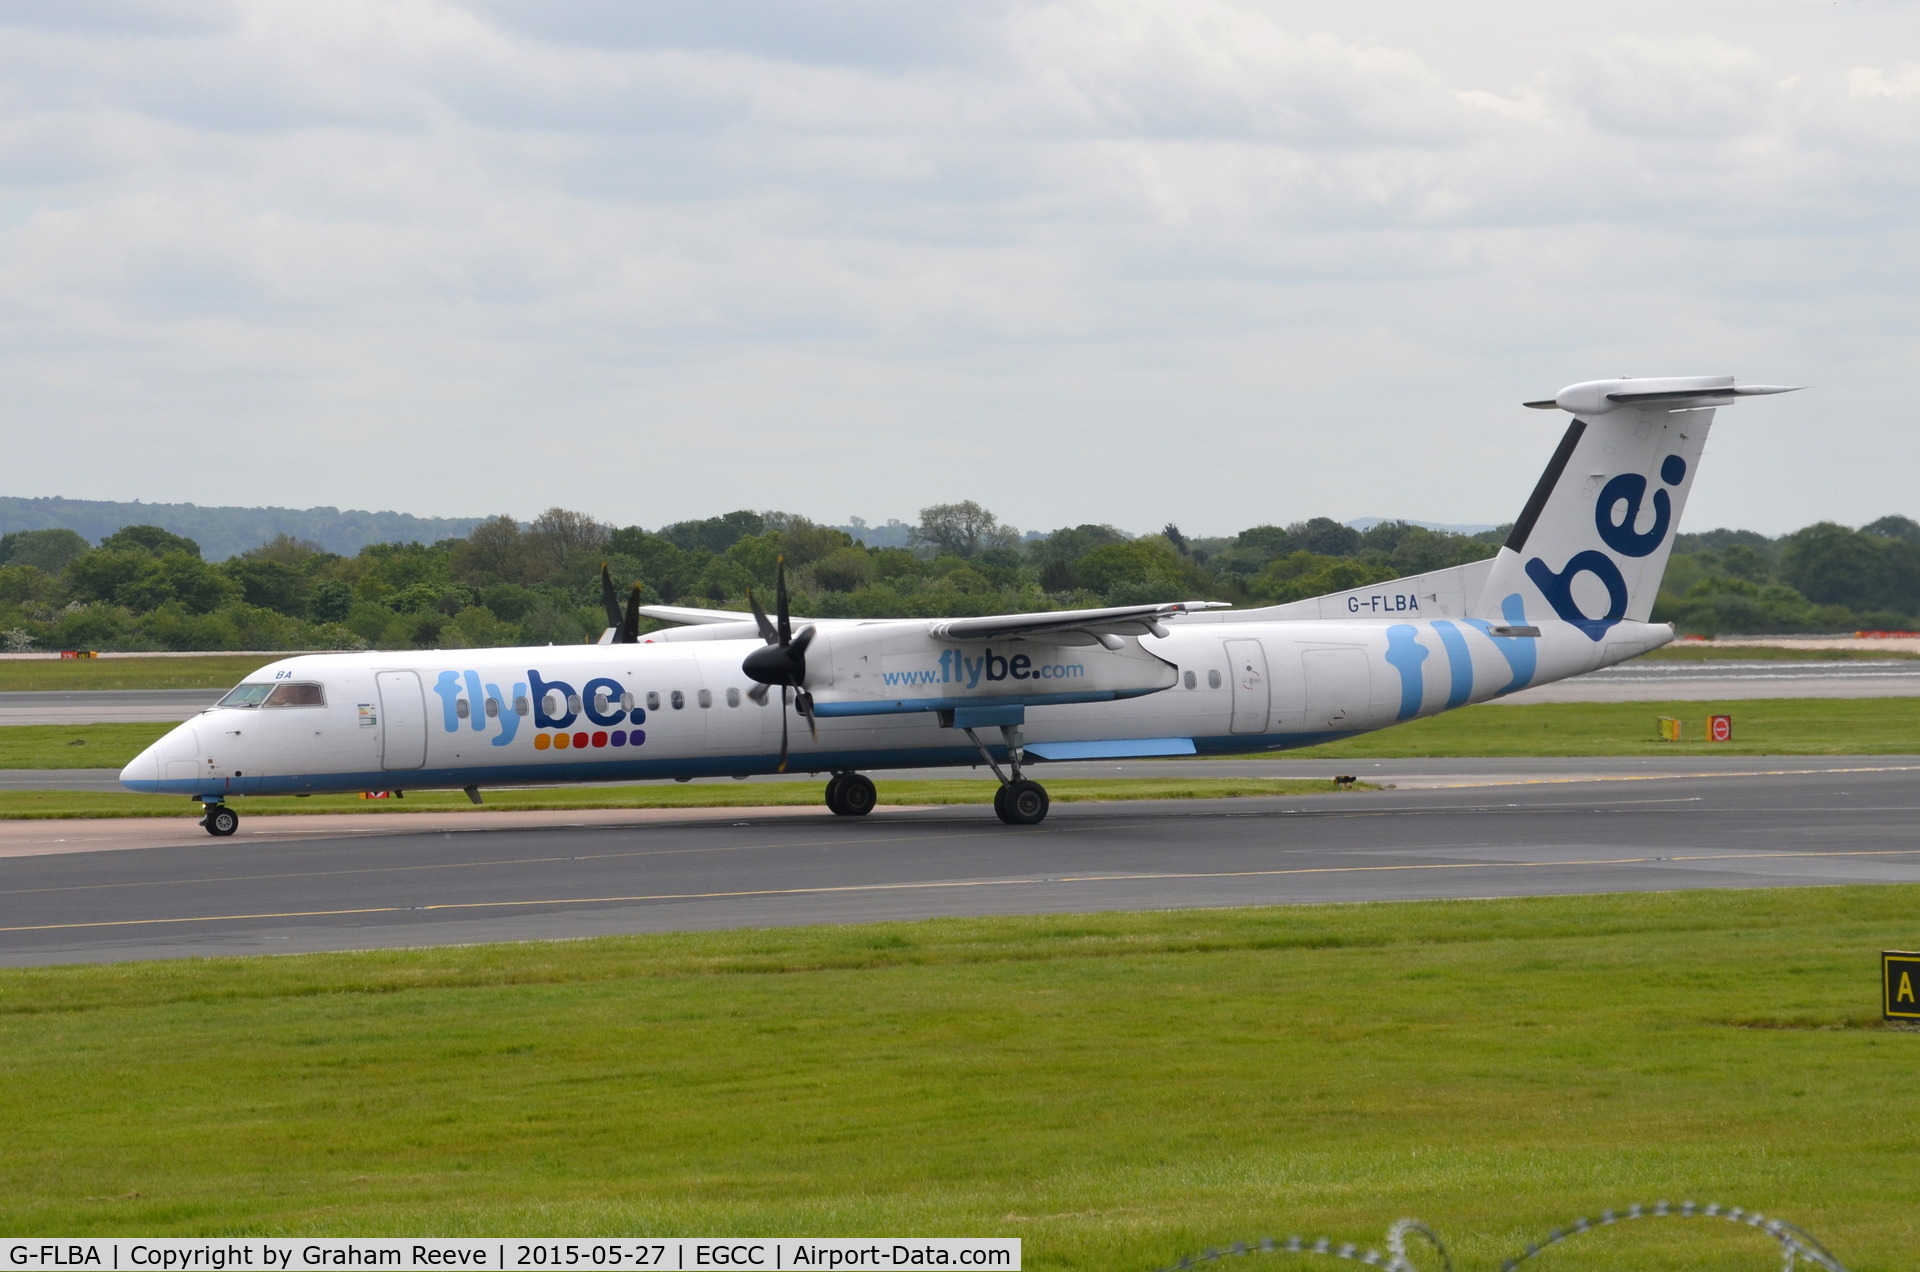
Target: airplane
[1571, 590]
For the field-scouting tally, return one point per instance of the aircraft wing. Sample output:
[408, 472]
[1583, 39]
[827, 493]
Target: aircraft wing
[695, 617]
[1121, 620]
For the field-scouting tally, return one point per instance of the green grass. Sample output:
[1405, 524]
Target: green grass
[1117, 1090]
[67, 746]
[1719, 651]
[212, 671]
[1761, 726]
[17, 805]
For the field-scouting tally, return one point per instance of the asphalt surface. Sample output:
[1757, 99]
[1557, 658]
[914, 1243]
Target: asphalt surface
[105, 706]
[1405, 773]
[415, 880]
[1654, 681]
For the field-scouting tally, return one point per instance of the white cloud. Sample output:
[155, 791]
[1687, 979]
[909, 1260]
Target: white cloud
[1088, 260]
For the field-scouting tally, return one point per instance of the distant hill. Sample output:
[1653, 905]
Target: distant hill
[226, 532]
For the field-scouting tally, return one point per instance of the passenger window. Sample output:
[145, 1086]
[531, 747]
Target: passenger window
[493, 708]
[551, 705]
[678, 699]
[626, 702]
[573, 702]
[461, 709]
[1192, 682]
[245, 696]
[600, 701]
[733, 696]
[653, 701]
[521, 706]
[706, 697]
[287, 694]
[1213, 680]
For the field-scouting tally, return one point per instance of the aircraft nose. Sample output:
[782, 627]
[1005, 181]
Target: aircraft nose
[143, 773]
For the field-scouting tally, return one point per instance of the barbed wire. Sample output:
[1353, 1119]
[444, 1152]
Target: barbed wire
[1795, 1243]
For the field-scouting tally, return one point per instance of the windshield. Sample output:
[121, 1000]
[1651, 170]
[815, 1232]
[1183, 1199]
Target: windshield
[290, 694]
[245, 696]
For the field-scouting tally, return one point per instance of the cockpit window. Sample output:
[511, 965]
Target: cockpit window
[246, 696]
[290, 694]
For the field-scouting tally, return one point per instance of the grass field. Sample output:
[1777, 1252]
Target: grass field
[1765, 726]
[1115, 1089]
[1761, 726]
[17, 805]
[210, 671]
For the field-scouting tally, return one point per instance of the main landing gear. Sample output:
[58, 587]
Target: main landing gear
[1018, 802]
[220, 820]
[850, 795]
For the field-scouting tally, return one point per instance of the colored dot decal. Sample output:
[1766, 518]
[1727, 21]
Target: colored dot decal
[636, 737]
[619, 738]
[541, 741]
[580, 739]
[599, 739]
[561, 741]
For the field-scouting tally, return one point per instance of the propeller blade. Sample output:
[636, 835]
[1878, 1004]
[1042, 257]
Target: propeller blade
[780, 600]
[783, 730]
[804, 704]
[607, 599]
[760, 617]
[759, 694]
[630, 625]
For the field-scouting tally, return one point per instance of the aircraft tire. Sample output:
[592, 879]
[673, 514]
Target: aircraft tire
[1022, 803]
[833, 795]
[856, 796]
[221, 821]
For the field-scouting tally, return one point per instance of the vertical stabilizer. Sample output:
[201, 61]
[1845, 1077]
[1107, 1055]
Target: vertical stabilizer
[1592, 543]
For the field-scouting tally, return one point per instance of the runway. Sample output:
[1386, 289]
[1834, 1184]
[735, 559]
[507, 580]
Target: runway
[419, 880]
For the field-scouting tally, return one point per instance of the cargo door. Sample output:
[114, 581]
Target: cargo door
[403, 720]
[1247, 665]
[1338, 688]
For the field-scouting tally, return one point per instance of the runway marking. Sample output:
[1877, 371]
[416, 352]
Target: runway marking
[935, 885]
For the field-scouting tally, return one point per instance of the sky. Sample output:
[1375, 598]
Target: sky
[1122, 261]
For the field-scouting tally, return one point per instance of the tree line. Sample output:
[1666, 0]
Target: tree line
[505, 583]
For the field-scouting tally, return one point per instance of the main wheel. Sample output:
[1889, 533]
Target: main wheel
[221, 821]
[833, 795]
[1022, 803]
[857, 796]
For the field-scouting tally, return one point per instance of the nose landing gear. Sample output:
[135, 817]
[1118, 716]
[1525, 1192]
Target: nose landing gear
[1018, 802]
[220, 820]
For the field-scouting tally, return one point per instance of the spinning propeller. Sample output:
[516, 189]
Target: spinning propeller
[782, 661]
[626, 627]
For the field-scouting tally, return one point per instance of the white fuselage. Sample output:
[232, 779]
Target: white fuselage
[680, 709]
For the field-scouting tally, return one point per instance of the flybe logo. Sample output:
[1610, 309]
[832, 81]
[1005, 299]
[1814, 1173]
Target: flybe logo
[554, 706]
[956, 668]
[1615, 515]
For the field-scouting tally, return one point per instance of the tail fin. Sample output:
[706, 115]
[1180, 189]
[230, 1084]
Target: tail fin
[1592, 543]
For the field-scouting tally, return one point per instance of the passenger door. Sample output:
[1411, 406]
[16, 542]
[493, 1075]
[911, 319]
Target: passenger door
[1247, 665]
[403, 721]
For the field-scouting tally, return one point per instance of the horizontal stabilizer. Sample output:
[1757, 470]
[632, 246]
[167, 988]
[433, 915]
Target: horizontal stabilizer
[1597, 397]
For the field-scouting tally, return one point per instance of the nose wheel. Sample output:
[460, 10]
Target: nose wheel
[220, 820]
[851, 795]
